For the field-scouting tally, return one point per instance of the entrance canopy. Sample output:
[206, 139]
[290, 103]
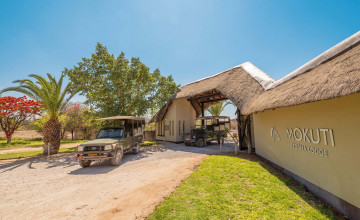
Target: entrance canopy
[202, 101]
[238, 84]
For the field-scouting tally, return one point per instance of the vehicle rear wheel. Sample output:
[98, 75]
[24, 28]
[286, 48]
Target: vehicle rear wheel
[200, 142]
[136, 148]
[220, 140]
[84, 163]
[116, 160]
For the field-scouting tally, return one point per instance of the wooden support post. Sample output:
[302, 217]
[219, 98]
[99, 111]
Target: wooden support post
[239, 131]
[221, 143]
[202, 110]
[202, 114]
[248, 134]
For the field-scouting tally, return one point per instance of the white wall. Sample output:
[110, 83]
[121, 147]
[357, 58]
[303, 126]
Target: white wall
[180, 110]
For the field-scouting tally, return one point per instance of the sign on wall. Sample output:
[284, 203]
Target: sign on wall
[314, 141]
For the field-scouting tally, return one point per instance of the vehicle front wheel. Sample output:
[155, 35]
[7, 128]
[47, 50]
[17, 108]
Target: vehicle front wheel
[116, 160]
[187, 144]
[84, 163]
[136, 148]
[200, 142]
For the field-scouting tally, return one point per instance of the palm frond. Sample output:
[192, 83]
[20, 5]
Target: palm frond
[215, 110]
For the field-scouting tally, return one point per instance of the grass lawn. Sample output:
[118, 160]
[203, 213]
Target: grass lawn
[226, 187]
[23, 142]
[32, 153]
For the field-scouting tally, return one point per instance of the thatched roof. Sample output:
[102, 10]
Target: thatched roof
[238, 84]
[334, 73]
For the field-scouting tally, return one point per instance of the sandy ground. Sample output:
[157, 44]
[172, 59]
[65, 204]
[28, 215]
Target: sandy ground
[56, 187]
[27, 149]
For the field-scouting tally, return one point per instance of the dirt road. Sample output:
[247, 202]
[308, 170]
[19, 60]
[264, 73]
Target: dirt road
[56, 187]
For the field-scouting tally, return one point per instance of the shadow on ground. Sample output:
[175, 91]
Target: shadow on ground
[66, 160]
[105, 166]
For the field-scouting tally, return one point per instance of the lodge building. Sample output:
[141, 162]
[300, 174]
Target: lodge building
[307, 124]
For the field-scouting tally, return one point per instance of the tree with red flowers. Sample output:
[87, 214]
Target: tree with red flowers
[14, 111]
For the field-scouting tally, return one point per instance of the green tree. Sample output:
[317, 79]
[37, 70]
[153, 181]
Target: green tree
[38, 124]
[74, 118]
[215, 110]
[53, 98]
[114, 86]
[89, 127]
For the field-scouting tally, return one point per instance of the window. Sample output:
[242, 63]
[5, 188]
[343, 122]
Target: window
[161, 128]
[173, 128]
[170, 128]
[179, 128]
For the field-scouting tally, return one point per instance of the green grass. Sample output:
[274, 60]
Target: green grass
[148, 143]
[32, 153]
[225, 187]
[24, 142]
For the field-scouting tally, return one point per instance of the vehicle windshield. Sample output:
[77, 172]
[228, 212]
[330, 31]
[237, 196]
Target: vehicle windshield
[111, 133]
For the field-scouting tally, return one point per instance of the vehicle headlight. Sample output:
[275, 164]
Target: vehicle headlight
[80, 148]
[109, 147]
[194, 137]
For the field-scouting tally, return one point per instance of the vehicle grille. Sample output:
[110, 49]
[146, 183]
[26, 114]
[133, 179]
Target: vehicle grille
[93, 148]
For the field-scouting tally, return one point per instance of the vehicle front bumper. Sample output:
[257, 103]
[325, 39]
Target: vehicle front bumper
[95, 155]
[189, 140]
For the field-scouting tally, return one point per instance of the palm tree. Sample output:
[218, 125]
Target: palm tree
[215, 110]
[50, 94]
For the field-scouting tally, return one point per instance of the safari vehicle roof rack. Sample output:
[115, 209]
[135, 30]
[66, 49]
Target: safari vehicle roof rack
[121, 117]
[213, 117]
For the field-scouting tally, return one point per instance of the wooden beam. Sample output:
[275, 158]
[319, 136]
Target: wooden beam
[214, 100]
[204, 97]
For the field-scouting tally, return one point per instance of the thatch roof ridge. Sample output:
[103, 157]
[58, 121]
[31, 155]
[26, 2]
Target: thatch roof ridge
[329, 54]
[260, 76]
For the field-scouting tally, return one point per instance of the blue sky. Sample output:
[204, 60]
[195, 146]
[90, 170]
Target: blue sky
[188, 39]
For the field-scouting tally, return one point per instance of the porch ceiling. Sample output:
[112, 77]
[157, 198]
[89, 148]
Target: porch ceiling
[206, 99]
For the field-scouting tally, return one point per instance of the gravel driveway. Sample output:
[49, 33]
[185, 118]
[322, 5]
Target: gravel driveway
[56, 187]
